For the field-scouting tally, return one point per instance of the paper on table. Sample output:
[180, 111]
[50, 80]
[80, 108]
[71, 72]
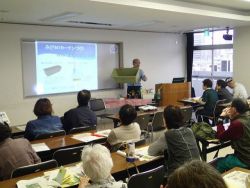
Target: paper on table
[86, 138]
[21, 127]
[39, 182]
[40, 147]
[236, 179]
[70, 177]
[122, 153]
[103, 133]
[143, 155]
[140, 153]
[148, 108]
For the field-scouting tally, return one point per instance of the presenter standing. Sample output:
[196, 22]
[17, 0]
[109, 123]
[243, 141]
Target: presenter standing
[134, 89]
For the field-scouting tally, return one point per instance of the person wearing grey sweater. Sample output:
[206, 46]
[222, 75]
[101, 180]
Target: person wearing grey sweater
[177, 143]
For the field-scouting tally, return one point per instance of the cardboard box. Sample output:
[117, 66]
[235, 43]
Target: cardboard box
[126, 75]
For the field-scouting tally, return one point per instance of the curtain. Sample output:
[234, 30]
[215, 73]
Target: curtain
[190, 48]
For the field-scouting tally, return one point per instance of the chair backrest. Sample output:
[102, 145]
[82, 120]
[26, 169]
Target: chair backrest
[218, 108]
[158, 122]
[140, 142]
[81, 129]
[143, 121]
[97, 104]
[68, 155]
[193, 92]
[187, 114]
[51, 135]
[21, 171]
[152, 178]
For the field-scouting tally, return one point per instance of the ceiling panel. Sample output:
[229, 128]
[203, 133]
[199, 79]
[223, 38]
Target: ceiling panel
[158, 15]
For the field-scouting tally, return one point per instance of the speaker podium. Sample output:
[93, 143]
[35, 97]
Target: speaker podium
[171, 93]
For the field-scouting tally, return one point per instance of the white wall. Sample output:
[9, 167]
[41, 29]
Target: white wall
[162, 56]
[242, 56]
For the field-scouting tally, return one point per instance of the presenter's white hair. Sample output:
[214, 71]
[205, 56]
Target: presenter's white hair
[96, 162]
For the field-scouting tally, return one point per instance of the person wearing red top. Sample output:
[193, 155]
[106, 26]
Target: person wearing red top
[239, 133]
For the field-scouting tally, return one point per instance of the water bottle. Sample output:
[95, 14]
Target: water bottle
[130, 152]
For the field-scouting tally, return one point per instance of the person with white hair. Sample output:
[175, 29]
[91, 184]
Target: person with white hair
[239, 90]
[97, 164]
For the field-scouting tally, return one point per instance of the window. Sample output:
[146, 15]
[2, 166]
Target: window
[212, 58]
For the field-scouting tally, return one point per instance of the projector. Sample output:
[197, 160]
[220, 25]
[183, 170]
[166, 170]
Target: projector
[227, 37]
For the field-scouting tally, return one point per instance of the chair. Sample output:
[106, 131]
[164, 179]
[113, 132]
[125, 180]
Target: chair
[187, 114]
[140, 142]
[156, 125]
[143, 121]
[216, 112]
[157, 122]
[152, 178]
[21, 171]
[193, 92]
[98, 106]
[51, 135]
[68, 155]
[81, 129]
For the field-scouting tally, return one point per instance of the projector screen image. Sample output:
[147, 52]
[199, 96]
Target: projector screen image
[51, 67]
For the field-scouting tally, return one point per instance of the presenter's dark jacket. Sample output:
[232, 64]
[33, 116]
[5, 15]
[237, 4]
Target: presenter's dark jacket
[81, 116]
[42, 125]
[15, 153]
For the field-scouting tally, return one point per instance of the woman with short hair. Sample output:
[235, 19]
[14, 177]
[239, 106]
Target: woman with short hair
[177, 143]
[45, 122]
[128, 130]
[14, 153]
[196, 174]
[223, 93]
[97, 164]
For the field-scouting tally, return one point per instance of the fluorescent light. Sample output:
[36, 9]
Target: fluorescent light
[175, 8]
[61, 17]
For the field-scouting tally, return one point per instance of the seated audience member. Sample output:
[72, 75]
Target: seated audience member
[80, 116]
[45, 122]
[14, 153]
[223, 93]
[208, 99]
[239, 133]
[239, 90]
[178, 142]
[97, 164]
[128, 130]
[195, 174]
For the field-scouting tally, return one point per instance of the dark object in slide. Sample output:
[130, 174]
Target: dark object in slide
[52, 70]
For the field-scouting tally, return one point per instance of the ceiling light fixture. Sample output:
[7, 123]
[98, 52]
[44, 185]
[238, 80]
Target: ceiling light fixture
[61, 17]
[175, 8]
